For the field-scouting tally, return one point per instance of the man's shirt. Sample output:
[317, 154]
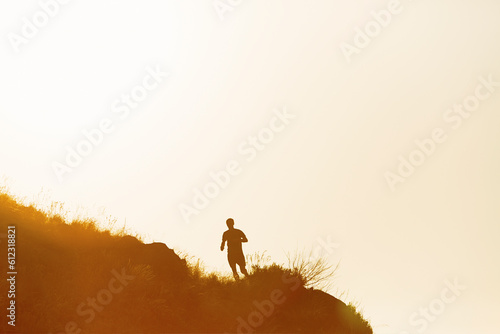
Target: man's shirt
[234, 239]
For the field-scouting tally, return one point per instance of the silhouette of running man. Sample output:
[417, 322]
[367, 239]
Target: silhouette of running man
[234, 238]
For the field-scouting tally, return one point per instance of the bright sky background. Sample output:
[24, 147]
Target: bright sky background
[322, 177]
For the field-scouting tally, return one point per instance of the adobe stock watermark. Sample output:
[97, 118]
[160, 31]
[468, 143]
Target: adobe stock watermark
[222, 7]
[32, 25]
[323, 247]
[122, 107]
[248, 150]
[87, 309]
[363, 36]
[454, 117]
[264, 309]
[421, 319]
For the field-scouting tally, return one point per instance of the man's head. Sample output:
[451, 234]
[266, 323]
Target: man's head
[230, 223]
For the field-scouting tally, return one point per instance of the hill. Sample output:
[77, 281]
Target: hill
[77, 278]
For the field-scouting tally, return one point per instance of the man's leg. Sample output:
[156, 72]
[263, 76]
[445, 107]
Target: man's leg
[242, 265]
[243, 270]
[232, 264]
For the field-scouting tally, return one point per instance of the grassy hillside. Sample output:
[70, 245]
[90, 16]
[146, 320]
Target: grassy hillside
[76, 278]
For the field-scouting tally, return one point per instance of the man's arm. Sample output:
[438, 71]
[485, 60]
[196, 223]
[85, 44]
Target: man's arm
[223, 242]
[243, 237]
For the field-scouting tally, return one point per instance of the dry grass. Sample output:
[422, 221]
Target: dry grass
[64, 264]
[314, 272]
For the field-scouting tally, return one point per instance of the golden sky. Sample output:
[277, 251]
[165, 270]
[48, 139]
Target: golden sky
[300, 110]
